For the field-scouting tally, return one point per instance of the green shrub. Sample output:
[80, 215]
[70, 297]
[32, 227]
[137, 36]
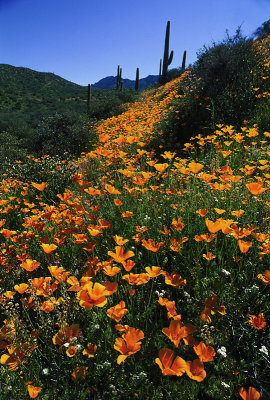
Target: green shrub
[61, 133]
[218, 89]
[262, 116]
[11, 149]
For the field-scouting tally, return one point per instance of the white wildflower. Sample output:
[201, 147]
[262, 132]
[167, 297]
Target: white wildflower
[225, 272]
[222, 351]
[225, 384]
[264, 350]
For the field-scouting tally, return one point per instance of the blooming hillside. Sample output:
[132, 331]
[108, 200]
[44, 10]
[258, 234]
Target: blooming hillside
[147, 276]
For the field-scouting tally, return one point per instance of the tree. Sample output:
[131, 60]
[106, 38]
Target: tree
[264, 29]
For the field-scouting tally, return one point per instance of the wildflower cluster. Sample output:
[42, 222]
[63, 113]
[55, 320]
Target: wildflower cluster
[141, 267]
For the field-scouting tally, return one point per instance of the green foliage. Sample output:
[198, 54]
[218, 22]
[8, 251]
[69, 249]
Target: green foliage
[262, 30]
[218, 89]
[262, 116]
[11, 149]
[226, 72]
[110, 103]
[61, 133]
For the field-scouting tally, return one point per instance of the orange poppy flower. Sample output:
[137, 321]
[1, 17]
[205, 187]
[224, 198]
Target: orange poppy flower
[239, 233]
[195, 167]
[9, 294]
[266, 277]
[168, 366]
[244, 246]
[128, 265]
[141, 229]
[176, 246]
[59, 273]
[165, 231]
[7, 233]
[47, 306]
[66, 196]
[67, 334]
[33, 391]
[94, 230]
[238, 213]
[209, 256]
[118, 202]
[210, 307]
[205, 353]
[258, 322]
[219, 211]
[129, 343]
[48, 248]
[40, 186]
[90, 350]
[174, 279]
[126, 215]
[202, 212]
[30, 265]
[150, 245]
[71, 351]
[92, 295]
[111, 189]
[195, 370]
[79, 238]
[213, 227]
[79, 373]
[120, 241]
[207, 238]
[110, 270]
[136, 279]
[161, 167]
[153, 272]
[177, 225]
[21, 288]
[256, 188]
[104, 224]
[119, 255]
[178, 331]
[170, 306]
[118, 311]
[252, 394]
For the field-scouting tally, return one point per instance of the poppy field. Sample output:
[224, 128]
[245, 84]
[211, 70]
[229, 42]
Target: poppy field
[138, 272]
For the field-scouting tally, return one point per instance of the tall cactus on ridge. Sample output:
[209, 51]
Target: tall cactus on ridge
[184, 61]
[88, 97]
[137, 80]
[119, 83]
[166, 58]
[160, 69]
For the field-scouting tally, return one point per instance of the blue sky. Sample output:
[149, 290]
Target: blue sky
[84, 40]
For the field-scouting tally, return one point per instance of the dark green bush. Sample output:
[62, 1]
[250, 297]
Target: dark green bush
[219, 88]
[61, 133]
[109, 103]
[262, 116]
[226, 72]
[11, 149]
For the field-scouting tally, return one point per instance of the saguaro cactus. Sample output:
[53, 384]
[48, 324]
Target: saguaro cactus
[160, 69]
[88, 96]
[119, 83]
[137, 80]
[184, 60]
[166, 58]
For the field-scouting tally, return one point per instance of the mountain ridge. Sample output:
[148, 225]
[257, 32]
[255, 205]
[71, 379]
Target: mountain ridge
[109, 82]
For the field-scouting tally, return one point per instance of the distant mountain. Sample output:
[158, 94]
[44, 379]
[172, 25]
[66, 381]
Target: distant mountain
[110, 82]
